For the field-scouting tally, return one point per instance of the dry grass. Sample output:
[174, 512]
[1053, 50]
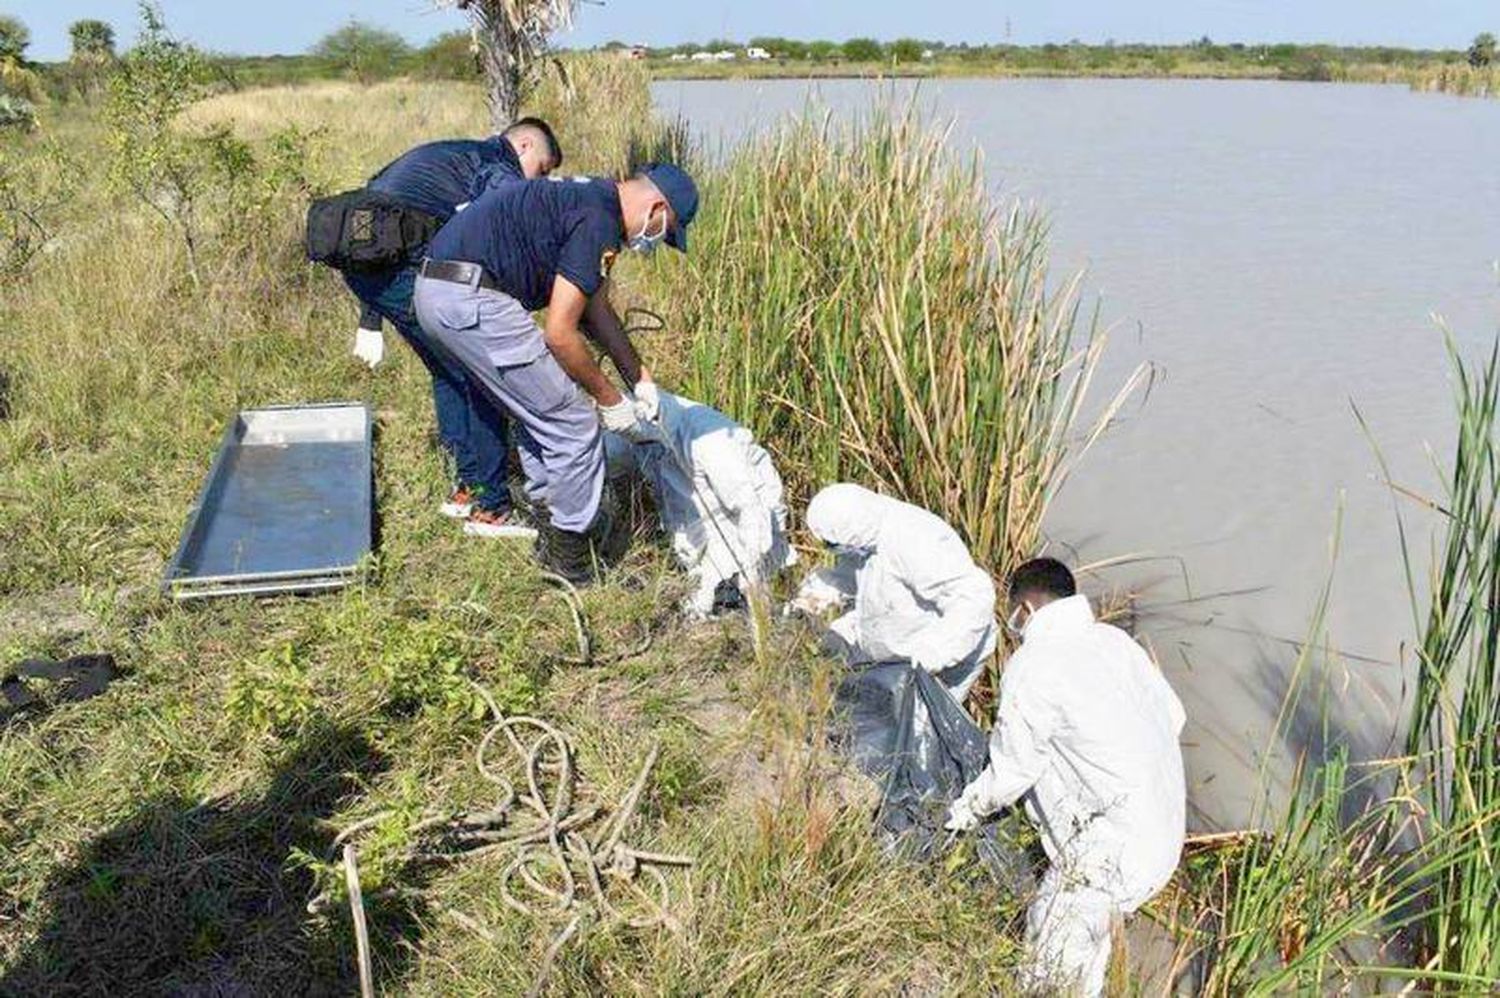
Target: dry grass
[1457, 78]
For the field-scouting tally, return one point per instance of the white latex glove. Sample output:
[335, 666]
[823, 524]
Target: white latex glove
[369, 346]
[931, 666]
[647, 400]
[817, 595]
[620, 417]
[961, 816]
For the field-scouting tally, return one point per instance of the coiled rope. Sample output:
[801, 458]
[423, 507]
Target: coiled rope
[555, 868]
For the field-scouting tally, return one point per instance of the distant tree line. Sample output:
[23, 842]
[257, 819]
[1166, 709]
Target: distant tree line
[366, 53]
[1074, 52]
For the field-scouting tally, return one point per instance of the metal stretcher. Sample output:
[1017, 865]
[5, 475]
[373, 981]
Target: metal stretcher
[287, 506]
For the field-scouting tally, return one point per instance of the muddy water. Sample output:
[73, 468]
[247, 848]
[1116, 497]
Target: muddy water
[1279, 252]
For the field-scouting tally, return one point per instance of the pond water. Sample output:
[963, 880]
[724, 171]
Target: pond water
[1282, 253]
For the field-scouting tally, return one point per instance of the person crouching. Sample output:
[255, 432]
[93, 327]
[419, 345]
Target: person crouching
[916, 593]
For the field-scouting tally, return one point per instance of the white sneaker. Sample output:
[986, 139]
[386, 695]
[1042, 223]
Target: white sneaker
[459, 505]
[483, 523]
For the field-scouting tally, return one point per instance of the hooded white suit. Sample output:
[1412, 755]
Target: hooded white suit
[1087, 722]
[719, 497]
[916, 592]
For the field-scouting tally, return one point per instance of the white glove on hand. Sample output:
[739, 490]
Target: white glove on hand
[369, 346]
[816, 596]
[620, 417]
[961, 816]
[931, 666]
[647, 401]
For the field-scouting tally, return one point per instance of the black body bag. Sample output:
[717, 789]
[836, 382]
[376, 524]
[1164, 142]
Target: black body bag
[907, 733]
[366, 230]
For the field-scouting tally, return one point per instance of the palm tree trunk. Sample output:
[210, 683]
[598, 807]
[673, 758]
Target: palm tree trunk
[511, 36]
[502, 70]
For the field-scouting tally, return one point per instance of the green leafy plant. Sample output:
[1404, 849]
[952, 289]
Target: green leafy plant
[1456, 710]
[274, 693]
[424, 663]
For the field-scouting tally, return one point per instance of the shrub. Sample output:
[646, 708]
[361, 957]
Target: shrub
[863, 50]
[17, 112]
[366, 53]
[33, 192]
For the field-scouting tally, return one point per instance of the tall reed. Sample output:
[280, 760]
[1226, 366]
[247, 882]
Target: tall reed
[1456, 709]
[860, 301]
[1457, 78]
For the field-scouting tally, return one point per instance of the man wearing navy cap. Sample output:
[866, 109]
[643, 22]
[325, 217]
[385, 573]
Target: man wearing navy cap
[551, 244]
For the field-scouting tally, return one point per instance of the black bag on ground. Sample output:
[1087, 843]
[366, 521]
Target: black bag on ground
[366, 230]
[904, 730]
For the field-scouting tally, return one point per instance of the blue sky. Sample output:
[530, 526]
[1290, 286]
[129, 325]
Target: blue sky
[292, 25]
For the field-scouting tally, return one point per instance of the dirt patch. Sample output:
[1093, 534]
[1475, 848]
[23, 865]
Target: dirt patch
[54, 618]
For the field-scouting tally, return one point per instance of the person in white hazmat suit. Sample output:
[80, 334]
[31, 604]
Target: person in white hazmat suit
[1087, 734]
[916, 593]
[718, 495]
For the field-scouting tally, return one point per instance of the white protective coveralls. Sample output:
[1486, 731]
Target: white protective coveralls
[1087, 722]
[916, 592]
[729, 518]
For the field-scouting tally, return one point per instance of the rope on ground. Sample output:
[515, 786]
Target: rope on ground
[361, 931]
[554, 870]
[586, 656]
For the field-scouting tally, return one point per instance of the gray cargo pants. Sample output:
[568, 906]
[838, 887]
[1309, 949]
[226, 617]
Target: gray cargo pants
[557, 427]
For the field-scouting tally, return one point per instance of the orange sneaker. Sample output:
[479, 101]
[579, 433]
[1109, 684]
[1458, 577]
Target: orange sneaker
[459, 504]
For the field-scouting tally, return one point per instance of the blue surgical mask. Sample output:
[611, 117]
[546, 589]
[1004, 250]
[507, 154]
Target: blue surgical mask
[645, 242]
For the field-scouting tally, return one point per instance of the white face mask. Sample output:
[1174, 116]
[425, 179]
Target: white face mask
[646, 242]
[1014, 624]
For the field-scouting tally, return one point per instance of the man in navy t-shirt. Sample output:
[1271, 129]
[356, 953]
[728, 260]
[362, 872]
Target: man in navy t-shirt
[551, 244]
[438, 179]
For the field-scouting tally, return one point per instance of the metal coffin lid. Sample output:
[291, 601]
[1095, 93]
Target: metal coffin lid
[287, 505]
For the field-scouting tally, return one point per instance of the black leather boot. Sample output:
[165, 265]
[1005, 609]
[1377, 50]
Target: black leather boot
[578, 557]
[567, 553]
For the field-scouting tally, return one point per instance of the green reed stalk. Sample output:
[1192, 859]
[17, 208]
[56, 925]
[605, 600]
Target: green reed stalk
[1456, 707]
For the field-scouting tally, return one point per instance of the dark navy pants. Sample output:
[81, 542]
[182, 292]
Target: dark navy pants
[471, 427]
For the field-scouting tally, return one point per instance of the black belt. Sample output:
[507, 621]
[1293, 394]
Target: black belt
[459, 272]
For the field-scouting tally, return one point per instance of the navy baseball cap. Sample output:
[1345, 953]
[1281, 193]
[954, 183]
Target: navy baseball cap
[681, 193]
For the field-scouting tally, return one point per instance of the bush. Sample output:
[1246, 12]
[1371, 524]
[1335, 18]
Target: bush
[906, 50]
[919, 352]
[194, 180]
[1482, 52]
[821, 50]
[863, 50]
[449, 56]
[361, 51]
[17, 112]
